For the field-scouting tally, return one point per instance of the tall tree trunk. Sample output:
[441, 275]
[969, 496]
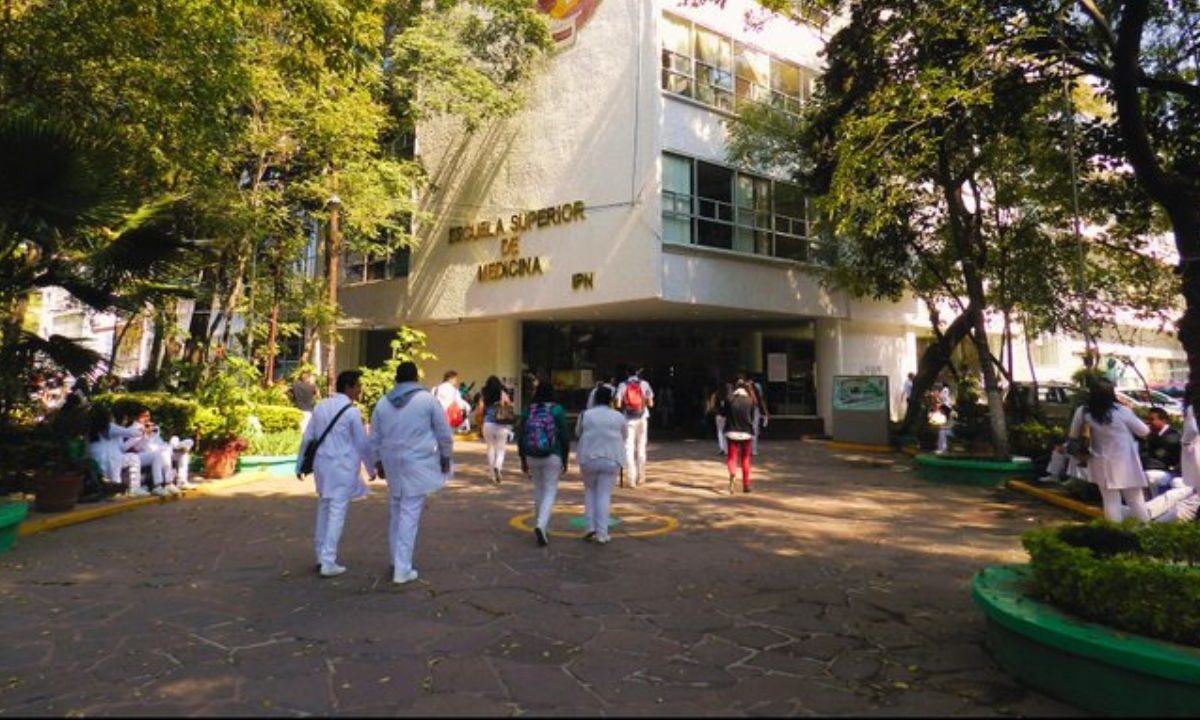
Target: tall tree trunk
[935, 358]
[333, 248]
[272, 335]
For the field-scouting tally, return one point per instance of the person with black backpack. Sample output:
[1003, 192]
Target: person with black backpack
[635, 397]
[544, 447]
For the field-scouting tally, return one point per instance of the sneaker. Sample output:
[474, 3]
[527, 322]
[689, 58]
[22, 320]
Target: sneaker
[160, 491]
[137, 492]
[404, 578]
[540, 535]
[173, 490]
[328, 571]
[603, 540]
[186, 485]
[590, 536]
[1047, 479]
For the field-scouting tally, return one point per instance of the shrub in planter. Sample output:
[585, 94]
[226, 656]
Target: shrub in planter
[277, 418]
[1035, 440]
[1141, 579]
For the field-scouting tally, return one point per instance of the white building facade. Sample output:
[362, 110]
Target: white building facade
[604, 227]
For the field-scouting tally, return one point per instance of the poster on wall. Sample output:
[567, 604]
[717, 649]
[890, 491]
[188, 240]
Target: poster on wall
[860, 393]
[567, 17]
[777, 367]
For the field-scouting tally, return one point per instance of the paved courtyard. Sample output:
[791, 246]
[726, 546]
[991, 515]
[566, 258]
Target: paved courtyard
[840, 586]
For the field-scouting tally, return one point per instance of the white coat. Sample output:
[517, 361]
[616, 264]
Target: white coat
[601, 432]
[108, 451]
[1189, 466]
[410, 436]
[1114, 464]
[336, 466]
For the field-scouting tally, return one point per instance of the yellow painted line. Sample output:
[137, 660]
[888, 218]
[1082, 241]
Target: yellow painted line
[668, 524]
[74, 517]
[858, 447]
[1055, 499]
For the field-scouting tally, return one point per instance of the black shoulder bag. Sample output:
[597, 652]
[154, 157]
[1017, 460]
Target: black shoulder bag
[310, 452]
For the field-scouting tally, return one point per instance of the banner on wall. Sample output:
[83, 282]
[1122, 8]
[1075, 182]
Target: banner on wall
[567, 17]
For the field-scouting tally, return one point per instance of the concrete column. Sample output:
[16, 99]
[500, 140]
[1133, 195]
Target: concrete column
[508, 354]
[828, 362]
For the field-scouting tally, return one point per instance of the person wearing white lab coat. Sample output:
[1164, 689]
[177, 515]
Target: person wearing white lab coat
[336, 466]
[601, 455]
[448, 394]
[412, 441]
[1189, 461]
[1114, 466]
[104, 446]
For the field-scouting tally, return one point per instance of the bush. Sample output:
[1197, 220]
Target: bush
[1140, 579]
[277, 418]
[174, 415]
[1033, 439]
[283, 442]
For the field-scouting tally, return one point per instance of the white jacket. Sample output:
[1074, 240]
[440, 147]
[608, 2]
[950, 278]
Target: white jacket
[410, 436]
[601, 432]
[1114, 464]
[1189, 466]
[336, 466]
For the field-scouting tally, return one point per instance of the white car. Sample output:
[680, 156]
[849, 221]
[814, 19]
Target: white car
[1143, 398]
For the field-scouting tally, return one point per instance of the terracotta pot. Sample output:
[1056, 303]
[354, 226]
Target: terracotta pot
[56, 491]
[219, 463]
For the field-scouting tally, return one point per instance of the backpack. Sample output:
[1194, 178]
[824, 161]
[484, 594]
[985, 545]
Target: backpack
[634, 402]
[540, 435]
[455, 415]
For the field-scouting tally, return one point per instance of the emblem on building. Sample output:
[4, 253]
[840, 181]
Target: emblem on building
[567, 17]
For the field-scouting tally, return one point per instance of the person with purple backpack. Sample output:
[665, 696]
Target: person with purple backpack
[544, 446]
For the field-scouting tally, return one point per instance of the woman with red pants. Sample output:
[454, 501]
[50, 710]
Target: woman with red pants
[738, 411]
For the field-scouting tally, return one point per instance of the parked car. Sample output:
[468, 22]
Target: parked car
[1056, 401]
[1146, 399]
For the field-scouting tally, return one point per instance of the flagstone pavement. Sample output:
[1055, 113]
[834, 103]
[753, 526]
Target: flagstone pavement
[840, 586]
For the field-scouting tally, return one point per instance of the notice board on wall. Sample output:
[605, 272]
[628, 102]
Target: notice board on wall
[860, 409]
[777, 367]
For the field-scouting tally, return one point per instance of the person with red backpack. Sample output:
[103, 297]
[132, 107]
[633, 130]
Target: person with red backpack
[544, 446]
[635, 397]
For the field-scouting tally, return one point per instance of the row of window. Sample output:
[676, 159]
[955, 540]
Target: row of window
[715, 206]
[363, 268]
[717, 70]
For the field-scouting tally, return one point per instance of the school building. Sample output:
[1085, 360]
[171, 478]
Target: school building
[604, 226]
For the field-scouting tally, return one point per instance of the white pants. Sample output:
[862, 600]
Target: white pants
[496, 437]
[943, 438]
[599, 476]
[331, 518]
[721, 434]
[1058, 463]
[159, 462]
[403, 522]
[635, 450]
[1162, 508]
[1133, 498]
[545, 473]
[305, 416]
[1160, 481]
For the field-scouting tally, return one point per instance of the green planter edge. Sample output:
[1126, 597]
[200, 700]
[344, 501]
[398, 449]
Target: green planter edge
[274, 465]
[969, 471]
[12, 513]
[1091, 666]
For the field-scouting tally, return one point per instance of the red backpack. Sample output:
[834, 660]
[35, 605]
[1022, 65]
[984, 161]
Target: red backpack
[634, 401]
[455, 415]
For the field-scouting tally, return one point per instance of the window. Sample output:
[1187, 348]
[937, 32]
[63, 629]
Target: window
[714, 69]
[357, 268]
[718, 207]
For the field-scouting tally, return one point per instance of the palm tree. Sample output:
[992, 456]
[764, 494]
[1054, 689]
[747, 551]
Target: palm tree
[65, 223]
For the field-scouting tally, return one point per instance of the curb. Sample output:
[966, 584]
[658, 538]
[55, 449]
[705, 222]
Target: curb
[858, 447]
[74, 517]
[1055, 499]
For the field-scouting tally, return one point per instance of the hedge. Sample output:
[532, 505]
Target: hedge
[277, 418]
[175, 416]
[1138, 579]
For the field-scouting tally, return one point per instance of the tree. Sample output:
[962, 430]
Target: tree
[1140, 147]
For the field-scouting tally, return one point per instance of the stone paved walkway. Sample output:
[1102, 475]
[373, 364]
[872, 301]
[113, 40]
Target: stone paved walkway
[840, 586]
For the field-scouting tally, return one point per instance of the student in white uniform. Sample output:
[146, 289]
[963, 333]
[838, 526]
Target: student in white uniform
[104, 446]
[338, 425]
[601, 454]
[635, 397]
[412, 441]
[452, 402]
[1114, 464]
[1189, 462]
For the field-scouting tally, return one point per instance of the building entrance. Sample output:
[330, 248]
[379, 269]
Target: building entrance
[685, 363]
